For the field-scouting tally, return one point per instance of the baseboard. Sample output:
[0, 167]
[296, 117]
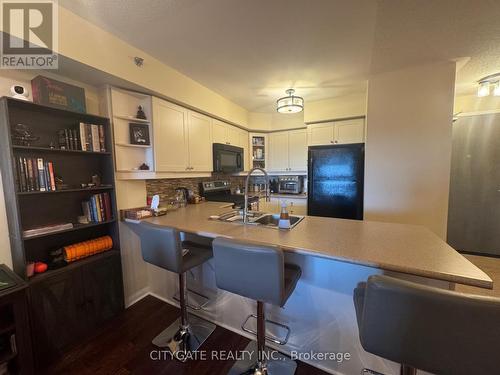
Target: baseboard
[137, 296]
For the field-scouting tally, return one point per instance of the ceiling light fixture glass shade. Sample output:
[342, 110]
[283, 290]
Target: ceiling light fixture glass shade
[290, 103]
[496, 88]
[483, 89]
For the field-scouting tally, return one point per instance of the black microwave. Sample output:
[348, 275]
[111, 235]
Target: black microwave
[227, 158]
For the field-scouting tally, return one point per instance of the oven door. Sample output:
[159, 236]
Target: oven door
[227, 159]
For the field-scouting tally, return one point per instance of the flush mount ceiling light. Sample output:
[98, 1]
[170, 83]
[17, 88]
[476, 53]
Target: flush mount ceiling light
[485, 84]
[290, 103]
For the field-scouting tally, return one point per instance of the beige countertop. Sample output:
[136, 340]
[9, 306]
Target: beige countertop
[402, 248]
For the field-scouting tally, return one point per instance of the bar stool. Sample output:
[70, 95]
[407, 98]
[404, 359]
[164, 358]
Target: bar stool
[162, 247]
[426, 328]
[260, 273]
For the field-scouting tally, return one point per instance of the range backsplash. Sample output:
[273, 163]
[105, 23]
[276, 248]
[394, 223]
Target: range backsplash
[165, 188]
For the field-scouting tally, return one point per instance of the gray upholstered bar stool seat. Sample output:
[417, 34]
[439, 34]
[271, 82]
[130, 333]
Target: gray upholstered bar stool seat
[260, 273]
[162, 247]
[426, 328]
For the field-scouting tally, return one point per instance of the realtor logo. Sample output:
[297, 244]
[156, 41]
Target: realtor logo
[29, 34]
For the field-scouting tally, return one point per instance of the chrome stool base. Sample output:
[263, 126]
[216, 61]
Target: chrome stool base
[270, 337]
[276, 364]
[195, 301]
[181, 340]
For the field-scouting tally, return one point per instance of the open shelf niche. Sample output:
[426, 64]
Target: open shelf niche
[123, 111]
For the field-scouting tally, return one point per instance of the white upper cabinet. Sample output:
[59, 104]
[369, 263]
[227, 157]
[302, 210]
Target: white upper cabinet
[278, 151]
[219, 131]
[170, 136]
[183, 139]
[297, 150]
[199, 142]
[233, 135]
[350, 131]
[321, 134]
[337, 132]
[226, 134]
[288, 151]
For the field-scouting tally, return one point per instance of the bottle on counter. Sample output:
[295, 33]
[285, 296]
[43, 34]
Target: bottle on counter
[284, 222]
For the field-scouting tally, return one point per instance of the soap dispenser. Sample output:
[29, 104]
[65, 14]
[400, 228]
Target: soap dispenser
[284, 222]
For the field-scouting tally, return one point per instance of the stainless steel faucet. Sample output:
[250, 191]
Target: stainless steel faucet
[268, 196]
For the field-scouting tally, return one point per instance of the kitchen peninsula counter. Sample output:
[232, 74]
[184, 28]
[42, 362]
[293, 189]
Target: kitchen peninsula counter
[408, 249]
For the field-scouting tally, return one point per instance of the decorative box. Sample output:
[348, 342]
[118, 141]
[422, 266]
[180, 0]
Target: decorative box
[48, 91]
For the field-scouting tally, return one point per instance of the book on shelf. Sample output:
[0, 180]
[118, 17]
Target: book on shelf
[46, 229]
[86, 137]
[35, 174]
[98, 208]
[95, 138]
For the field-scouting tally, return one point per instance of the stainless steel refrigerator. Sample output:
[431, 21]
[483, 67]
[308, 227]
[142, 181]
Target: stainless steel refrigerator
[336, 181]
[474, 206]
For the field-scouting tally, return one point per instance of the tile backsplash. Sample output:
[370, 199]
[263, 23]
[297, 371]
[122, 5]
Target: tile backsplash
[165, 188]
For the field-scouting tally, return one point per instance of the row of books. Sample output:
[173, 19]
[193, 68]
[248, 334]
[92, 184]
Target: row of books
[98, 208]
[35, 174]
[87, 137]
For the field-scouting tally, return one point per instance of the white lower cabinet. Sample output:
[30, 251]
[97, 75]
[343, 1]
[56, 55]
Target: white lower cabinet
[182, 138]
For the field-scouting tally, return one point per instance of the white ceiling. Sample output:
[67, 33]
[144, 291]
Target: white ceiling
[251, 51]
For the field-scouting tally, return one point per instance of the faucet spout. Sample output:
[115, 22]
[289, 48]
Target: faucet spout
[268, 197]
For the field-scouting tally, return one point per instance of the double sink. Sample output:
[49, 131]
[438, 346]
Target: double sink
[256, 218]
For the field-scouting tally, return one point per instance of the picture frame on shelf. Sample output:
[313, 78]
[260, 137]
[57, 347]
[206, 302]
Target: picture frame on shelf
[139, 134]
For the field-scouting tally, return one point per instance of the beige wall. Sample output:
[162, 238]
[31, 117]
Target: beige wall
[408, 146]
[471, 103]
[275, 121]
[339, 107]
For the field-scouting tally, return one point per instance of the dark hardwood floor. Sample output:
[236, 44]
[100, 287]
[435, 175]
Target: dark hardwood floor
[123, 346]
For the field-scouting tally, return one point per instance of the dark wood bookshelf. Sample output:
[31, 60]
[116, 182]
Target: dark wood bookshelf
[93, 189]
[76, 264]
[85, 292]
[58, 150]
[75, 227]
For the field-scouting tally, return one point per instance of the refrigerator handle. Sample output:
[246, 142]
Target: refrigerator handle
[310, 177]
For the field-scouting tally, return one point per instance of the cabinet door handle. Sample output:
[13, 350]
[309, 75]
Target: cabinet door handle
[336, 141]
[331, 141]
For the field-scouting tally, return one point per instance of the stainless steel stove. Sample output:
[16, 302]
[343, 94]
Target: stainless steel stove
[220, 191]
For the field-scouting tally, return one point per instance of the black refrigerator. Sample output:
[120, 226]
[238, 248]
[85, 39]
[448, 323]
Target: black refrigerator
[336, 181]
